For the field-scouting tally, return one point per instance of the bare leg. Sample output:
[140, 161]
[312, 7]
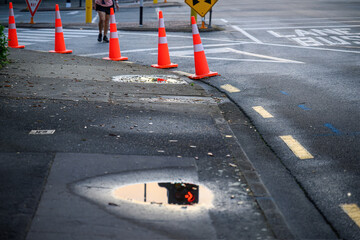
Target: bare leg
[106, 27]
[102, 22]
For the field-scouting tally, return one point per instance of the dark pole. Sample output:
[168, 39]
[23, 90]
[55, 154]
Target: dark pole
[210, 18]
[145, 192]
[141, 12]
[79, 3]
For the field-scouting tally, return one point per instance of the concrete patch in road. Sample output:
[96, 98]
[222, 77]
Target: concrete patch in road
[152, 79]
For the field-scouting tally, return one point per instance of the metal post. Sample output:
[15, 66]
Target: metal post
[88, 17]
[209, 26]
[79, 3]
[193, 13]
[141, 12]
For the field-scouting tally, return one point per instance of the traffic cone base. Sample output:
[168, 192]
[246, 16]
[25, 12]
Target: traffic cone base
[210, 74]
[61, 52]
[117, 59]
[171, 65]
[18, 46]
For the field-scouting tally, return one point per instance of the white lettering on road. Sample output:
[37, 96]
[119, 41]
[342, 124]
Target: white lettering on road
[320, 37]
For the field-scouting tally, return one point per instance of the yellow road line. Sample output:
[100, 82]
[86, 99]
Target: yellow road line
[230, 88]
[260, 110]
[353, 211]
[296, 147]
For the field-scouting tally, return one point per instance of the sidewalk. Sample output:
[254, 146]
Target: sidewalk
[111, 133]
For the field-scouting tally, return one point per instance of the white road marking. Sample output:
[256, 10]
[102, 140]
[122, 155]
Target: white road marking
[246, 34]
[95, 19]
[25, 43]
[189, 53]
[263, 56]
[189, 36]
[95, 32]
[172, 48]
[73, 13]
[313, 48]
[236, 59]
[290, 19]
[41, 132]
[36, 40]
[295, 23]
[224, 20]
[298, 27]
[157, 10]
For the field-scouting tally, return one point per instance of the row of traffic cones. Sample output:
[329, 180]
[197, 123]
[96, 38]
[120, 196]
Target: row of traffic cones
[59, 34]
[201, 65]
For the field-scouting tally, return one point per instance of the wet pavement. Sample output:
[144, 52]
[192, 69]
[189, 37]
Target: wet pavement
[103, 135]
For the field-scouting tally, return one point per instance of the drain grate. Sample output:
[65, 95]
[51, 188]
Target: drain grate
[151, 79]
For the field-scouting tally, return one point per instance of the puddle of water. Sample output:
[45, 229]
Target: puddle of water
[153, 79]
[165, 194]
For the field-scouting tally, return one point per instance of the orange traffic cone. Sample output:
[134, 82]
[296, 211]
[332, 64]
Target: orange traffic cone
[59, 34]
[12, 34]
[114, 46]
[163, 50]
[201, 65]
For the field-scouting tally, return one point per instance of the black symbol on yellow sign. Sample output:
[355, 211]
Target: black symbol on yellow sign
[196, 2]
[201, 6]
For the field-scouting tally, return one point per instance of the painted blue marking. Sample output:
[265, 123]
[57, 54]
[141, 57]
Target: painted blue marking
[285, 93]
[303, 107]
[332, 128]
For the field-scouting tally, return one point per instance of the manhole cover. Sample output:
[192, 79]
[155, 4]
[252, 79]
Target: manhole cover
[154, 79]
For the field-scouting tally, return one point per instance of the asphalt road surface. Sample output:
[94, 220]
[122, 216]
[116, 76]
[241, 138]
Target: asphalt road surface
[293, 68]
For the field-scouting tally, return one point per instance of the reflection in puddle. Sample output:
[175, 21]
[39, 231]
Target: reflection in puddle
[165, 193]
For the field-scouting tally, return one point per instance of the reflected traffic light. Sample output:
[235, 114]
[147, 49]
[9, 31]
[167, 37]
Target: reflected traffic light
[181, 193]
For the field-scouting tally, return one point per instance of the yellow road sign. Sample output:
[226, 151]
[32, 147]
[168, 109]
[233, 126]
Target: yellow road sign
[201, 6]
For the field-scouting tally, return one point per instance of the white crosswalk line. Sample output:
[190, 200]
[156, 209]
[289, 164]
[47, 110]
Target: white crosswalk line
[34, 36]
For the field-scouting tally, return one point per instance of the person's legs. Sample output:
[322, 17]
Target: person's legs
[102, 17]
[106, 27]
